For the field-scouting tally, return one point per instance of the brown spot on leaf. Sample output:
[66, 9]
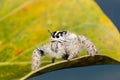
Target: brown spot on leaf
[24, 9]
[18, 52]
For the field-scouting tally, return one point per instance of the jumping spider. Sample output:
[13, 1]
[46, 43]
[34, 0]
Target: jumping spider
[64, 45]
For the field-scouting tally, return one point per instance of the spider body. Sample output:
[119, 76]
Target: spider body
[64, 45]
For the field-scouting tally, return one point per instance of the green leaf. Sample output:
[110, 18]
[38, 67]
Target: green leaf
[24, 25]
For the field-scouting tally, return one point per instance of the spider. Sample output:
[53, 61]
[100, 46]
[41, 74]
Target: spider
[63, 44]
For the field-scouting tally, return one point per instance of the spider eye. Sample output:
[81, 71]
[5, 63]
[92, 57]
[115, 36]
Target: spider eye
[57, 36]
[53, 34]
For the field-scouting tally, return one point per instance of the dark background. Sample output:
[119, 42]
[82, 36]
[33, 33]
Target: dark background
[112, 9]
[101, 72]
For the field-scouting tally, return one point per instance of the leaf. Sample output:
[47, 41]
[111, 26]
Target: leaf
[13, 70]
[77, 62]
[24, 25]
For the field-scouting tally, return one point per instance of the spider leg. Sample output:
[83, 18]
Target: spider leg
[36, 58]
[53, 59]
[88, 45]
[65, 57]
[72, 55]
[37, 55]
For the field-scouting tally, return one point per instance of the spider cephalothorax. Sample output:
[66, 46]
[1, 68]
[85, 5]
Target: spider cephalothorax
[64, 45]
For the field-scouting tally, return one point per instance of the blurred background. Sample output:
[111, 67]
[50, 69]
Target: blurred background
[24, 26]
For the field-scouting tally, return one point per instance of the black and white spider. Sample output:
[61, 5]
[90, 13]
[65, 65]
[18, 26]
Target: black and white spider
[64, 45]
